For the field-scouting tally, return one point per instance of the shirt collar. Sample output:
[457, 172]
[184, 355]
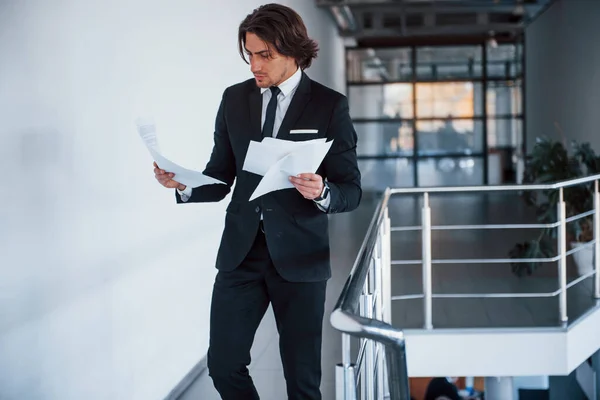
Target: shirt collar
[289, 85]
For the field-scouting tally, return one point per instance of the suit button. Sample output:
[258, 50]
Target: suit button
[257, 209]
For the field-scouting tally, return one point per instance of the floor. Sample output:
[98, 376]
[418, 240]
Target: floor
[347, 232]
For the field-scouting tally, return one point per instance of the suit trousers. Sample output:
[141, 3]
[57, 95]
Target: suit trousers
[239, 301]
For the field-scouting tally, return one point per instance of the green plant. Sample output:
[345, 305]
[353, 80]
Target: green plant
[550, 162]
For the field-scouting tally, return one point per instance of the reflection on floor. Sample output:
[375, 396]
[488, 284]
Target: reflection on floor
[347, 232]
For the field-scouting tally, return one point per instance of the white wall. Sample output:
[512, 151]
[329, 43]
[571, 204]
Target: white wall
[563, 72]
[105, 283]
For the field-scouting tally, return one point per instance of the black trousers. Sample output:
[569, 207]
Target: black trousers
[239, 302]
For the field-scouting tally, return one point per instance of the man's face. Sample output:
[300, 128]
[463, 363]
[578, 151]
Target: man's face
[269, 67]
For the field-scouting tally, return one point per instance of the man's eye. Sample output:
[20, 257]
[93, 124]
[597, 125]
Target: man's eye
[263, 55]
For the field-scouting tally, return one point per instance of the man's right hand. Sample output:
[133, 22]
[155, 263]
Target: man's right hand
[166, 179]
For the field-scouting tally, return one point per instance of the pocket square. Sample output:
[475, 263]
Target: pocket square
[299, 131]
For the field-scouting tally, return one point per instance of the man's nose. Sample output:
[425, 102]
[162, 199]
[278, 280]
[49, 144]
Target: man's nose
[254, 66]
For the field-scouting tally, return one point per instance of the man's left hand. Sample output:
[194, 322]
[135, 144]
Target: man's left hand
[309, 185]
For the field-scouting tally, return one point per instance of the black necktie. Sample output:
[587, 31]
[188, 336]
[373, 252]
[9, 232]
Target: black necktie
[270, 117]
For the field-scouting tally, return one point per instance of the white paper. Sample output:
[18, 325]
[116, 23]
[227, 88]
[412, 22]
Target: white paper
[262, 155]
[147, 131]
[304, 158]
[188, 177]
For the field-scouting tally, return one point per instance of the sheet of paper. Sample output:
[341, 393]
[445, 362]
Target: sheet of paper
[302, 160]
[188, 177]
[147, 131]
[262, 155]
[191, 178]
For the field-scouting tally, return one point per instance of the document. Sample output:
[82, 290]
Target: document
[262, 155]
[278, 159]
[147, 131]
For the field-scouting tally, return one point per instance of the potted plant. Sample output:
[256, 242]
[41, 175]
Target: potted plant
[551, 162]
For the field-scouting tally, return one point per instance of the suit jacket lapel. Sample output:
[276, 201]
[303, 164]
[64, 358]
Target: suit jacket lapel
[255, 108]
[298, 104]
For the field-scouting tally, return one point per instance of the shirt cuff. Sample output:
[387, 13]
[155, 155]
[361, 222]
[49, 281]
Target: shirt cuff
[323, 205]
[185, 194]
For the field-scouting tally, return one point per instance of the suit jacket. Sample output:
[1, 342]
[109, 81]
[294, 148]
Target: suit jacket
[296, 230]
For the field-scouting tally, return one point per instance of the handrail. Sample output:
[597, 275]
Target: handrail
[345, 318]
[496, 188]
[358, 310]
[348, 299]
[560, 224]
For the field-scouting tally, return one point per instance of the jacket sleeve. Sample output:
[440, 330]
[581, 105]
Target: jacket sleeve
[221, 165]
[340, 165]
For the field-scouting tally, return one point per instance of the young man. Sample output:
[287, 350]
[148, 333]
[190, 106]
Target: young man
[275, 249]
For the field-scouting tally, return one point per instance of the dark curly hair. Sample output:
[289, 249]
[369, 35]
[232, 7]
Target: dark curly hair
[282, 28]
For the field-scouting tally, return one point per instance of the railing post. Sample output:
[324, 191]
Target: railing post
[562, 253]
[597, 242]
[386, 289]
[362, 309]
[345, 378]
[398, 371]
[387, 269]
[367, 382]
[378, 271]
[345, 382]
[427, 295]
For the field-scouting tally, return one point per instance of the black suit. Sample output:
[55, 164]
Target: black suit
[289, 264]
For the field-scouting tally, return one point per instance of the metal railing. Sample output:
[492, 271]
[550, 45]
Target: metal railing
[363, 309]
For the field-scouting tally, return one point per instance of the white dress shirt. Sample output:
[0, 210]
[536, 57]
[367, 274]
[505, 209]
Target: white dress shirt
[284, 98]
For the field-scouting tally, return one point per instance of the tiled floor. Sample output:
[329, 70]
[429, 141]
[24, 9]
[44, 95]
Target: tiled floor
[347, 232]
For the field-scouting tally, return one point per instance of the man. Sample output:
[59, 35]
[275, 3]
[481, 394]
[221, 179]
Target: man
[442, 389]
[274, 249]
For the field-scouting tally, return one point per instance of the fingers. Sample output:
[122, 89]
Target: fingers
[165, 178]
[168, 183]
[308, 194]
[309, 185]
[158, 171]
[310, 177]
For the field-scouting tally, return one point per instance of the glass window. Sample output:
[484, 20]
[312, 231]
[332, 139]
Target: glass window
[450, 171]
[377, 175]
[379, 65]
[449, 136]
[504, 98]
[384, 138]
[505, 132]
[452, 99]
[504, 61]
[449, 62]
[394, 100]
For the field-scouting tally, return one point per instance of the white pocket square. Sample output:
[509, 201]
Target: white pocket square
[298, 131]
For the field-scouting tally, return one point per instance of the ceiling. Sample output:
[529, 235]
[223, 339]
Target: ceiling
[366, 20]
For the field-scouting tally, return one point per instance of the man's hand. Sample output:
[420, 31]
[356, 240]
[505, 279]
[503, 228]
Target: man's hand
[309, 185]
[166, 178]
